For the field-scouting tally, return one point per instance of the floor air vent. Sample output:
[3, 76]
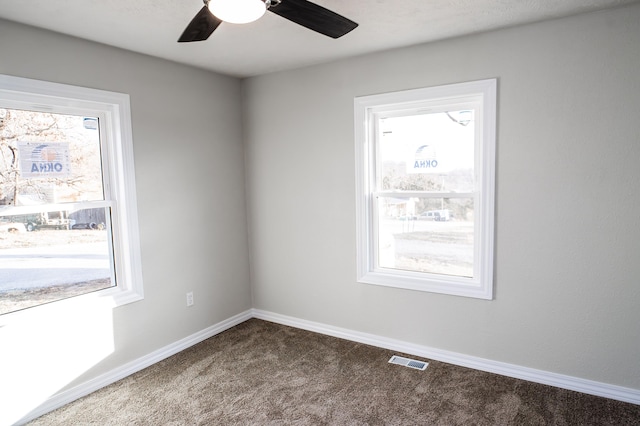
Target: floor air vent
[411, 363]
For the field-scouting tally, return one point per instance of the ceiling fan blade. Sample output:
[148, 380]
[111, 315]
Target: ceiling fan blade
[200, 27]
[314, 17]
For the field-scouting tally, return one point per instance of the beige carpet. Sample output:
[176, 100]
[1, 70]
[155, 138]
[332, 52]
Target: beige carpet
[260, 373]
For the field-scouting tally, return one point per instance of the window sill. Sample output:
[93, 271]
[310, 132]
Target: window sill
[455, 286]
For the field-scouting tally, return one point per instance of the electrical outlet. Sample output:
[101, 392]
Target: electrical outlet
[190, 298]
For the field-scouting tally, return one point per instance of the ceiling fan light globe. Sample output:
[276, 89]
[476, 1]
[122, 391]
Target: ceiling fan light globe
[238, 11]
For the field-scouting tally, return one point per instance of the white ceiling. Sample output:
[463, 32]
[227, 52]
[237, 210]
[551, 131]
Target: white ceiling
[273, 43]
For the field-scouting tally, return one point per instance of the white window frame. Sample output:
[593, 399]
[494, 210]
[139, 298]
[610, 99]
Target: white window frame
[114, 116]
[367, 111]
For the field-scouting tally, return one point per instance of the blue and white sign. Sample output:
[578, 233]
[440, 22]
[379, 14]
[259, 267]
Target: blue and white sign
[425, 160]
[41, 160]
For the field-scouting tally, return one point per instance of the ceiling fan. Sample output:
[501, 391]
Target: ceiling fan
[302, 12]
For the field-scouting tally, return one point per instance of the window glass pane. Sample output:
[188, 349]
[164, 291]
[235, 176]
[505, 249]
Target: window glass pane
[55, 238]
[48, 158]
[433, 235]
[67, 254]
[427, 152]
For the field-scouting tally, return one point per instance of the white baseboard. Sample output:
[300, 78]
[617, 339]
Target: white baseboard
[537, 376]
[134, 366]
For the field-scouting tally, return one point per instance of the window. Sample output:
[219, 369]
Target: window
[68, 219]
[425, 187]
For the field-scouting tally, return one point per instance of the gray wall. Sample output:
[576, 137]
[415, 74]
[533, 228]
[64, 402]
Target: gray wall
[190, 186]
[567, 232]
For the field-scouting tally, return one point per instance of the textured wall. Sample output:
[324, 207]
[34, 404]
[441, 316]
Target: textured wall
[190, 187]
[567, 233]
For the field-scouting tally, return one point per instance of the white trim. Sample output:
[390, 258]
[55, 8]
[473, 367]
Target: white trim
[590, 387]
[132, 367]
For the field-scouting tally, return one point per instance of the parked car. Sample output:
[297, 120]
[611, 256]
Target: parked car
[91, 225]
[437, 215]
[6, 226]
[33, 221]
